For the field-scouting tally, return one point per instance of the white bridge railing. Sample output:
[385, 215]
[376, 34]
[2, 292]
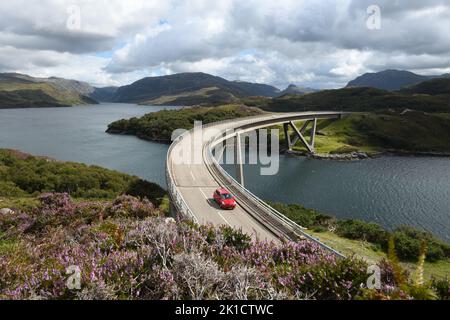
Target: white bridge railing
[175, 195]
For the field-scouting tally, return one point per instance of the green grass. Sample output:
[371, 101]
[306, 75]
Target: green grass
[439, 269]
[340, 137]
[348, 247]
[374, 133]
[165, 205]
[369, 253]
[20, 203]
[8, 246]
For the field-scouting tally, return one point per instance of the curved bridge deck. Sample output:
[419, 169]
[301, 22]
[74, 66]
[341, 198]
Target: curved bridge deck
[191, 186]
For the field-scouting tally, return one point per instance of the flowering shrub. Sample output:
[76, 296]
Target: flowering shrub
[125, 249]
[130, 207]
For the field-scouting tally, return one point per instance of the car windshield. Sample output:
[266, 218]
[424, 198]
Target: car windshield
[226, 196]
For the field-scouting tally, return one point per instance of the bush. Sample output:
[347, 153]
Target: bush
[9, 189]
[360, 230]
[235, 238]
[128, 206]
[408, 242]
[304, 217]
[442, 288]
[144, 189]
[125, 250]
[23, 175]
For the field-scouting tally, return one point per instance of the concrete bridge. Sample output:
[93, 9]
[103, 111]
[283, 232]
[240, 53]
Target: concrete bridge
[191, 184]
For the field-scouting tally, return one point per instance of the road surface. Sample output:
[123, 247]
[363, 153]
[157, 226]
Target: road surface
[196, 184]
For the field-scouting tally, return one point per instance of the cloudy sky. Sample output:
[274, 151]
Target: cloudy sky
[320, 44]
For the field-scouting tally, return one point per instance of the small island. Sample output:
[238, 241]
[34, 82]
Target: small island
[159, 126]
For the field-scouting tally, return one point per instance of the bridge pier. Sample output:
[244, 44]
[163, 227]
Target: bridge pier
[290, 142]
[239, 162]
[312, 139]
[287, 136]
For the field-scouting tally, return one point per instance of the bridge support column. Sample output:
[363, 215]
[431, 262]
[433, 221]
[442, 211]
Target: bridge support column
[239, 162]
[299, 135]
[287, 136]
[312, 140]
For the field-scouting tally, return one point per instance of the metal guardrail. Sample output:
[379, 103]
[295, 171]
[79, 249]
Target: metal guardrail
[279, 224]
[177, 199]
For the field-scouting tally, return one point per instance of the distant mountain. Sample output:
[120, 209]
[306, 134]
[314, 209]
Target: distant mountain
[23, 91]
[251, 89]
[83, 88]
[190, 89]
[105, 94]
[293, 89]
[439, 86]
[390, 80]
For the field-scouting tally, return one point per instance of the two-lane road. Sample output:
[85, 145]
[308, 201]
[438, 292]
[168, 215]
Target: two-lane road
[196, 184]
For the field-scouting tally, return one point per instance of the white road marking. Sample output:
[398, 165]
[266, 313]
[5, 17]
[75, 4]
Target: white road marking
[203, 194]
[223, 218]
[192, 175]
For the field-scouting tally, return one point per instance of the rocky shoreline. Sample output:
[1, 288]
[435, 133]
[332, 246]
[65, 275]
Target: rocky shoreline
[354, 156]
[328, 156]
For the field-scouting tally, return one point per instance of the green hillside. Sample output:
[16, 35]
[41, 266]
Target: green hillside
[431, 87]
[190, 89]
[207, 96]
[357, 99]
[23, 93]
[23, 176]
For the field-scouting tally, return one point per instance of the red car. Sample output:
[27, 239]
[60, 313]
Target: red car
[224, 199]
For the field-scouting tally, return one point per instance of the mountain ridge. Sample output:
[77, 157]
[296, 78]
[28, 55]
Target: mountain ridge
[190, 89]
[198, 88]
[391, 79]
[295, 89]
[433, 87]
[23, 91]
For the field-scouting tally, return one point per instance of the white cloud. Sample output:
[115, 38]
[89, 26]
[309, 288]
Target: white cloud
[314, 43]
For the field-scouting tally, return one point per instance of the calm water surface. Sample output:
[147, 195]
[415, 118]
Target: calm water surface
[391, 191]
[78, 134]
